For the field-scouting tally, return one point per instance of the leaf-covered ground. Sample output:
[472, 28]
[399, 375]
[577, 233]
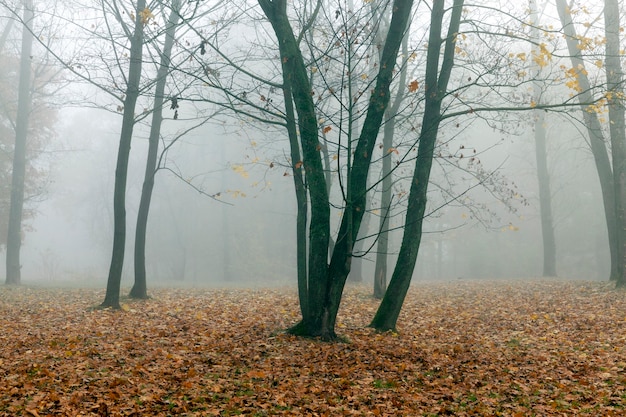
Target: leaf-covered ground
[464, 348]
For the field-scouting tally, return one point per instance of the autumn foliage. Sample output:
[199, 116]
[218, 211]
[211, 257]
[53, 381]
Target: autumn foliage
[465, 348]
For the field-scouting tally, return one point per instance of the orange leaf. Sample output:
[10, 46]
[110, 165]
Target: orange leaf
[413, 86]
[326, 129]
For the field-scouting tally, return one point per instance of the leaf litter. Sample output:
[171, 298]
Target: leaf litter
[464, 348]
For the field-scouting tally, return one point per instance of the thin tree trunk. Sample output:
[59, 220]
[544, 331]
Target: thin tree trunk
[543, 177]
[596, 138]
[301, 199]
[112, 296]
[615, 76]
[436, 84]
[382, 250]
[140, 287]
[16, 208]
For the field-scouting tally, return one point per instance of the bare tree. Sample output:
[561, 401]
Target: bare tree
[594, 130]
[112, 295]
[326, 281]
[436, 84]
[14, 237]
[617, 126]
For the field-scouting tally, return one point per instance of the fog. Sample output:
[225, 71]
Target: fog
[224, 212]
[246, 236]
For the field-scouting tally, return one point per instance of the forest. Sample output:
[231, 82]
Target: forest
[357, 207]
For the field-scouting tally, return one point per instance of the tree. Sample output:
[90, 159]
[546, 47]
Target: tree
[14, 236]
[382, 249]
[594, 130]
[139, 289]
[141, 17]
[545, 203]
[326, 281]
[615, 100]
[436, 85]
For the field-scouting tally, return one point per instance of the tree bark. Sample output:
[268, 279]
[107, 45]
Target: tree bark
[596, 138]
[112, 295]
[16, 208]
[294, 71]
[436, 83]
[615, 95]
[140, 287]
[543, 177]
[382, 249]
[302, 205]
[326, 282]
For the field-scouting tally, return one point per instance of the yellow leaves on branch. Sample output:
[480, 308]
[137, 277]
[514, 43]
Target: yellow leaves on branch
[542, 56]
[239, 169]
[521, 56]
[146, 15]
[572, 76]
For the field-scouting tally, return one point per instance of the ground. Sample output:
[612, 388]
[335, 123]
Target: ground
[464, 348]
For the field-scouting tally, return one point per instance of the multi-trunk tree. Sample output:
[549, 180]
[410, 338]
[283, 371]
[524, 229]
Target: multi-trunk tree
[136, 37]
[140, 287]
[326, 280]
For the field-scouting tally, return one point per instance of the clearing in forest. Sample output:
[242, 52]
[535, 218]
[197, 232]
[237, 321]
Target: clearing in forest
[465, 348]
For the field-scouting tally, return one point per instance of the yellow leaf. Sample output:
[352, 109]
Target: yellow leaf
[146, 15]
[239, 169]
[599, 63]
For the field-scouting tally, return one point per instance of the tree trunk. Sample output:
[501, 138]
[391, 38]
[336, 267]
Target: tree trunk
[545, 197]
[14, 235]
[294, 71]
[596, 138]
[112, 296]
[382, 250]
[301, 199]
[140, 287]
[543, 177]
[436, 84]
[615, 94]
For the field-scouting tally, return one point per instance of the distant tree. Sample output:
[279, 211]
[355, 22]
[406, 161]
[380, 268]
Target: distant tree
[615, 101]
[545, 197]
[28, 84]
[382, 248]
[583, 87]
[14, 236]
